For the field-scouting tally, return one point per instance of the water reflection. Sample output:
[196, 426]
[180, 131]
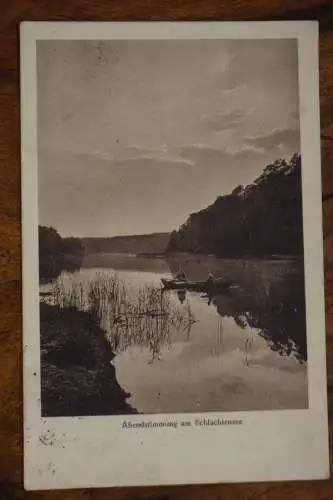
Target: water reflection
[182, 351]
[275, 309]
[144, 317]
[50, 268]
[266, 298]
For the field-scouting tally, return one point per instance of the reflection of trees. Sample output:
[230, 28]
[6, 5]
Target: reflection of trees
[279, 319]
[270, 298]
[57, 254]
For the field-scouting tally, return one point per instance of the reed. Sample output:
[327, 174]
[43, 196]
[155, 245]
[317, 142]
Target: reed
[143, 317]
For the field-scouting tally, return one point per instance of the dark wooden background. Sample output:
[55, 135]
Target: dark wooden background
[11, 13]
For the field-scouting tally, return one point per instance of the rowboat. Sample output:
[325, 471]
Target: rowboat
[199, 286]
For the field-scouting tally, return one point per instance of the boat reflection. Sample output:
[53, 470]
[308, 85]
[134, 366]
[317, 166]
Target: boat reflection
[276, 310]
[181, 294]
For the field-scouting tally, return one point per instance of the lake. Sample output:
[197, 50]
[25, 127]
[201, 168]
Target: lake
[237, 351]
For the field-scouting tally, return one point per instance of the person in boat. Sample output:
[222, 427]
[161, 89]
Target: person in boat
[181, 275]
[210, 278]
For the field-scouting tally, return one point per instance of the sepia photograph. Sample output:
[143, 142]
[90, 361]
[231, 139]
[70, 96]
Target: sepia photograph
[170, 226]
[173, 300]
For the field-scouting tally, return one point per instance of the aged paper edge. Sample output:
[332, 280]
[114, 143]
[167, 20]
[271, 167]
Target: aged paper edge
[94, 451]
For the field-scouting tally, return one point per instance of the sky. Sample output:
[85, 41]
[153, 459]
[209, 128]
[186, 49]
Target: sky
[134, 136]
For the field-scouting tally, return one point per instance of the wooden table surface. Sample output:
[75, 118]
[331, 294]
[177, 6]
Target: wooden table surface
[11, 13]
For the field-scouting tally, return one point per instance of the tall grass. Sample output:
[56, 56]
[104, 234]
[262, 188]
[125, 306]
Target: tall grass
[144, 318]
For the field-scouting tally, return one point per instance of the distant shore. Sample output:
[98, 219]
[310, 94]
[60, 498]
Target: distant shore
[189, 255]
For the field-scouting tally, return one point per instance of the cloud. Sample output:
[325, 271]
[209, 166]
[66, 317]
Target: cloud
[223, 121]
[242, 148]
[231, 155]
[96, 194]
[287, 138]
[120, 155]
[161, 154]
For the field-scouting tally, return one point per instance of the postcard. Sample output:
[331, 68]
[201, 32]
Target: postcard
[173, 299]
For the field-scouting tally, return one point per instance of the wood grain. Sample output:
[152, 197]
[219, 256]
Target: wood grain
[11, 13]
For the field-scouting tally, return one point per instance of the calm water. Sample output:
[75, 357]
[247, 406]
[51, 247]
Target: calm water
[240, 351]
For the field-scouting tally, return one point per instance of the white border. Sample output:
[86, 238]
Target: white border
[93, 451]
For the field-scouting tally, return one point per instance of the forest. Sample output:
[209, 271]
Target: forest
[57, 253]
[149, 244]
[262, 219]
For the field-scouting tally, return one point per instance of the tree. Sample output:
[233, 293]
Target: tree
[261, 219]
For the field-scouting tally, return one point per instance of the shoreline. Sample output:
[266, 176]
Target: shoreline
[77, 377]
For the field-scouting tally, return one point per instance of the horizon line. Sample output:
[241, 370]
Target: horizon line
[107, 236]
